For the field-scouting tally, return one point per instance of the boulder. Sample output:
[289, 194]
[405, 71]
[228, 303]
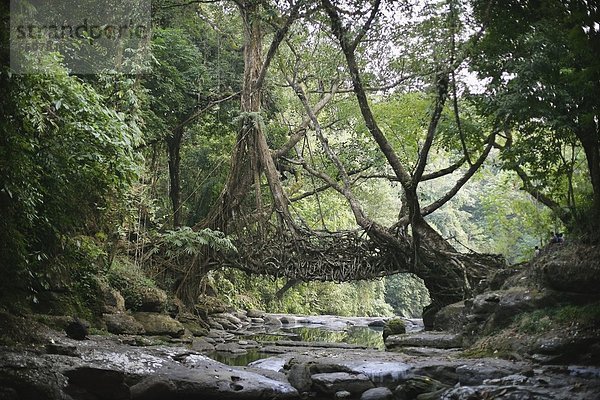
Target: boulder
[122, 324]
[394, 326]
[332, 382]
[202, 345]
[97, 383]
[255, 313]
[272, 321]
[378, 323]
[159, 324]
[416, 388]
[227, 321]
[193, 324]
[153, 300]
[153, 388]
[299, 377]
[579, 274]
[77, 329]
[451, 318]
[112, 300]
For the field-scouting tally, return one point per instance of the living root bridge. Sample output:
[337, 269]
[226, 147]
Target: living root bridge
[449, 276]
[336, 257]
[355, 255]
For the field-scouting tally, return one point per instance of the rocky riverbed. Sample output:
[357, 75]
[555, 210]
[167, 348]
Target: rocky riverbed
[423, 365]
[534, 333]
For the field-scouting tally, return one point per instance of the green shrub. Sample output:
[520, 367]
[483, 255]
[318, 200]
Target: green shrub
[130, 280]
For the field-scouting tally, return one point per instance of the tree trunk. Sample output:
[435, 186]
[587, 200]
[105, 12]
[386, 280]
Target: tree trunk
[251, 156]
[588, 136]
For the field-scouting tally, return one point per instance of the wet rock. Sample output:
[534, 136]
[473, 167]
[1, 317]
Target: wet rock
[381, 373]
[440, 340]
[380, 393]
[122, 324]
[499, 393]
[516, 379]
[343, 394]
[25, 375]
[330, 383]
[159, 324]
[96, 383]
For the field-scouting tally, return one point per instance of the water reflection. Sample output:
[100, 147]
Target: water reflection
[358, 335]
[238, 360]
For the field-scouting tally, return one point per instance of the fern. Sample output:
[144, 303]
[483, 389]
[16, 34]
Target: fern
[187, 241]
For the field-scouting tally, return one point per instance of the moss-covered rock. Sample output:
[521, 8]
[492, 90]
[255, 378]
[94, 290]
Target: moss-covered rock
[570, 268]
[121, 323]
[159, 324]
[394, 326]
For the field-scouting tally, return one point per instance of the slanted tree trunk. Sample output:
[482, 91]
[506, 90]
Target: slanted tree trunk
[448, 275]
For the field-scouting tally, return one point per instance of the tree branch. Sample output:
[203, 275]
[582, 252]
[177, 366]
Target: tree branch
[277, 39]
[363, 102]
[442, 92]
[300, 131]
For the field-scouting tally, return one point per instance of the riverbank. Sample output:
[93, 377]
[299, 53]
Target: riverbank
[147, 367]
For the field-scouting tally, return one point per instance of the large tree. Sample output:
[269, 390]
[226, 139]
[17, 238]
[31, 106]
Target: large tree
[542, 75]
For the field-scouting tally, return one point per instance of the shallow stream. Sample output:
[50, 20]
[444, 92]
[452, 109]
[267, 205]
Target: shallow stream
[323, 329]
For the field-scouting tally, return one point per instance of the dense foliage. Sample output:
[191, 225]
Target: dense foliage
[108, 177]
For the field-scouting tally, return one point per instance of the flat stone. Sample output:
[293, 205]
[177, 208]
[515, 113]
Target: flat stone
[476, 374]
[233, 348]
[333, 382]
[380, 393]
[438, 340]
